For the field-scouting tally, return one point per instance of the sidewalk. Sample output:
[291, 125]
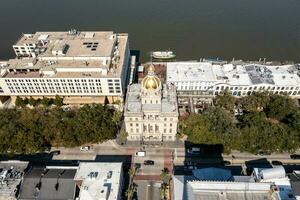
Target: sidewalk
[156, 144]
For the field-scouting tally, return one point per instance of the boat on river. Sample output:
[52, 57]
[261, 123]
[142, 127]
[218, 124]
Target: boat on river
[163, 55]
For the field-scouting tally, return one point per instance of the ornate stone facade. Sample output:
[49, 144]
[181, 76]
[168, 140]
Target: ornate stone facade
[151, 111]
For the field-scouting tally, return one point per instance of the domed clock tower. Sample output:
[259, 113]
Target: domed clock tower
[151, 111]
[151, 88]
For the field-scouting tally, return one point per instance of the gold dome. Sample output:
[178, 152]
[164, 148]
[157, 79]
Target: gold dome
[151, 81]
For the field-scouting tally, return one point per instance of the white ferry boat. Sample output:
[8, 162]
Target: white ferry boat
[163, 54]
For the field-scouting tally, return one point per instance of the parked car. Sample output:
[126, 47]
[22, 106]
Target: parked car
[295, 156]
[140, 153]
[276, 162]
[137, 165]
[148, 162]
[56, 152]
[194, 150]
[85, 148]
[263, 153]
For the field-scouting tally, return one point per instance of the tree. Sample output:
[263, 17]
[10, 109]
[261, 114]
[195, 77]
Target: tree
[293, 121]
[221, 121]
[255, 102]
[58, 101]
[20, 102]
[280, 107]
[46, 102]
[31, 130]
[226, 101]
[32, 101]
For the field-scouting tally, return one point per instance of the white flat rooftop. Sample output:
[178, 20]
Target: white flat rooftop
[99, 180]
[79, 44]
[231, 74]
[190, 71]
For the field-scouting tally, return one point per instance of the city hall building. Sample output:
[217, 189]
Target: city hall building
[151, 111]
[81, 67]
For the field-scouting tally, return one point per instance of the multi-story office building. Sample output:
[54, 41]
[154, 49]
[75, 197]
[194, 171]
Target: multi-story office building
[82, 67]
[208, 79]
[151, 112]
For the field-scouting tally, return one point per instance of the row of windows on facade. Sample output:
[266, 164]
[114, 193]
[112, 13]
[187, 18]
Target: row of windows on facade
[110, 81]
[91, 85]
[131, 124]
[218, 88]
[149, 117]
[193, 88]
[150, 131]
[151, 101]
[194, 83]
[53, 91]
[59, 90]
[240, 93]
[139, 137]
[57, 84]
[256, 88]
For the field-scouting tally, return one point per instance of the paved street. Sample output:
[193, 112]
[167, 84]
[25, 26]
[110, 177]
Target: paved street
[148, 190]
[163, 157]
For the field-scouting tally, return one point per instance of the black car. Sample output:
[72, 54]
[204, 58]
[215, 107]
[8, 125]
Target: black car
[295, 156]
[57, 152]
[148, 162]
[263, 153]
[276, 162]
[137, 165]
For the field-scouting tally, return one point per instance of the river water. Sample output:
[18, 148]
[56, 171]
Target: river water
[243, 29]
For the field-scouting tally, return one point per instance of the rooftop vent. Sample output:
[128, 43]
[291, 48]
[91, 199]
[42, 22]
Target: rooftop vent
[109, 174]
[93, 174]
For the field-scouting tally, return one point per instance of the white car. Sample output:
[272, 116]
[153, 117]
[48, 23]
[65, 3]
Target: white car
[85, 148]
[140, 153]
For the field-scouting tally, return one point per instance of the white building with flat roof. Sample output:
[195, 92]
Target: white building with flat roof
[220, 184]
[99, 181]
[82, 67]
[206, 78]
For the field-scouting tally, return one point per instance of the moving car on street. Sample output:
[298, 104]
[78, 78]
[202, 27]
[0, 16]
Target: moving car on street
[148, 162]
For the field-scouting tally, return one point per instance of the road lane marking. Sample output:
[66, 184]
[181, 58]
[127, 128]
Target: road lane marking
[147, 192]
